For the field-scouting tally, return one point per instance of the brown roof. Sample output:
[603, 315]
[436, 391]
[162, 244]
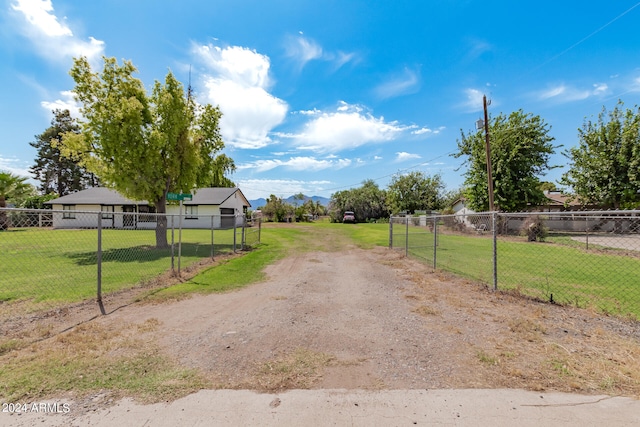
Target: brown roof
[556, 198]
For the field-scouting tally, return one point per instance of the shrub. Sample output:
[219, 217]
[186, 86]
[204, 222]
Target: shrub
[534, 229]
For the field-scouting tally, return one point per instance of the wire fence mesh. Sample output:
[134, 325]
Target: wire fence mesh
[52, 260]
[585, 259]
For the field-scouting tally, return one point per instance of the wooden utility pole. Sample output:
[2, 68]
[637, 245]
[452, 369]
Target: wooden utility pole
[488, 150]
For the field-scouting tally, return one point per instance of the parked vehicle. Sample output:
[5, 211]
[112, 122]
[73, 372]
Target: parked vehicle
[349, 217]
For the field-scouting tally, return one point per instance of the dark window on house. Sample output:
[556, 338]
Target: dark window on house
[228, 219]
[191, 212]
[69, 212]
[144, 209]
[107, 212]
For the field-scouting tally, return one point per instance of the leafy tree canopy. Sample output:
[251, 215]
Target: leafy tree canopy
[14, 189]
[56, 173]
[415, 191]
[143, 145]
[520, 150]
[366, 202]
[604, 168]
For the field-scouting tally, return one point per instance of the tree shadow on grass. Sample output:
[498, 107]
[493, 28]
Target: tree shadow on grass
[147, 253]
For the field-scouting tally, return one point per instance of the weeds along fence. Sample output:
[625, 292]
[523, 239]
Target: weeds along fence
[586, 259]
[50, 259]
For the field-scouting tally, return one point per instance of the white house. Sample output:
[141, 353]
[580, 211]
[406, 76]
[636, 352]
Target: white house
[217, 207]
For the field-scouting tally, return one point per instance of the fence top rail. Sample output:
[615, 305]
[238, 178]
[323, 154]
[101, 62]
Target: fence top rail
[601, 213]
[49, 211]
[631, 213]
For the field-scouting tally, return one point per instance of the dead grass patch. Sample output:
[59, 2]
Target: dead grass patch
[92, 358]
[426, 311]
[296, 370]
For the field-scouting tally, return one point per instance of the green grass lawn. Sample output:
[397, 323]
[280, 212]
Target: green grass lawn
[61, 265]
[560, 270]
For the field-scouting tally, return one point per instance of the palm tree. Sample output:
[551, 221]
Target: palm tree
[11, 187]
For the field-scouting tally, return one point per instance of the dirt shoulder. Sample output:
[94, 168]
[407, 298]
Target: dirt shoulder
[372, 319]
[340, 317]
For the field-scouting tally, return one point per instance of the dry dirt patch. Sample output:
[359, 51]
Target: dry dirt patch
[372, 319]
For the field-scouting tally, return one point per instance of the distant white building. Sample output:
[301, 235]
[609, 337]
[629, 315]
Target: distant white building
[209, 207]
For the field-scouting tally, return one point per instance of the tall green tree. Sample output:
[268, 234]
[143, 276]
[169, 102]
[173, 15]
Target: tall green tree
[142, 145]
[521, 148]
[276, 209]
[223, 166]
[56, 173]
[415, 191]
[366, 202]
[604, 168]
[13, 188]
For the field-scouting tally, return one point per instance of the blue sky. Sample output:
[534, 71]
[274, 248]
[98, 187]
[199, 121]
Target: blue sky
[318, 96]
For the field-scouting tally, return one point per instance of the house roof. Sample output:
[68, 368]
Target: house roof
[556, 198]
[215, 196]
[107, 196]
[93, 196]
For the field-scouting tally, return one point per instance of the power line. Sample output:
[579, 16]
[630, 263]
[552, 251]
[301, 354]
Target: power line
[553, 58]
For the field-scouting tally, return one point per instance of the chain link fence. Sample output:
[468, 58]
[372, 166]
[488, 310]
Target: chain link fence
[586, 259]
[55, 260]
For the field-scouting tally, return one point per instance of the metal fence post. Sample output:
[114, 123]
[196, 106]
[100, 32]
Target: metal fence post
[391, 232]
[406, 238]
[99, 265]
[243, 236]
[494, 217]
[586, 230]
[435, 240]
[180, 238]
[212, 243]
[173, 246]
[235, 218]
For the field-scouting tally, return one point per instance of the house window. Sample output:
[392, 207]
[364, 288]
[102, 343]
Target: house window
[191, 212]
[107, 212]
[69, 212]
[144, 209]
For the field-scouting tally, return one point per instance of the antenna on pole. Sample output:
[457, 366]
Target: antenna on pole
[189, 87]
[488, 150]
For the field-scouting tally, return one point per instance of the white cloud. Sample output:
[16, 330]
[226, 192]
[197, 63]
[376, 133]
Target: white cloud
[15, 166]
[404, 156]
[347, 128]
[473, 101]
[296, 164]
[238, 64]
[406, 82]
[565, 93]
[256, 188]
[66, 103]
[313, 112]
[54, 39]
[600, 88]
[477, 49]
[237, 81]
[427, 131]
[302, 50]
[342, 58]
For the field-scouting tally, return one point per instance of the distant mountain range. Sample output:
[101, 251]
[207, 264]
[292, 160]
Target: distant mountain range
[257, 203]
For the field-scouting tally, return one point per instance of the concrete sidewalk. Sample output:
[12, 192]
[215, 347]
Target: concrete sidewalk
[355, 408]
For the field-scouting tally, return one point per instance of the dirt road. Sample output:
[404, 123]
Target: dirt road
[372, 321]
